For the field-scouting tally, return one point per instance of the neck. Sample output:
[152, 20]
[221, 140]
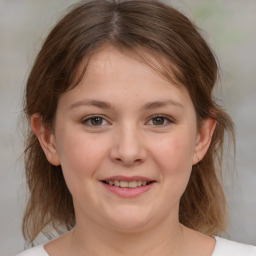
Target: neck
[165, 239]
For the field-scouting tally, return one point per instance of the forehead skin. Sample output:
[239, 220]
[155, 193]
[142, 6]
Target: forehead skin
[107, 62]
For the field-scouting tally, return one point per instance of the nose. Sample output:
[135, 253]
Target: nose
[128, 146]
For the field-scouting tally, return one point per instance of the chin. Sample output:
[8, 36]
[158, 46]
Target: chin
[130, 220]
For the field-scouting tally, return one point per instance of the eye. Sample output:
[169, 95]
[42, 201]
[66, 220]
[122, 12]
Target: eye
[95, 121]
[160, 120]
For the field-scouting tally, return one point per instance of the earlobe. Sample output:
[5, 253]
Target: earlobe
[46, 138]
[204, 139]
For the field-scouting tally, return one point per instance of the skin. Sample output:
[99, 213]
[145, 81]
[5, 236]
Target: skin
[126, 96]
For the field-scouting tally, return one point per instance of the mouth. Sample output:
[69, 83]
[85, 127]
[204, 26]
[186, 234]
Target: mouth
[128, 184]
[128, 187]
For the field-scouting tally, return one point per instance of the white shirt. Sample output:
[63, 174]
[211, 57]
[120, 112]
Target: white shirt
[223, 247]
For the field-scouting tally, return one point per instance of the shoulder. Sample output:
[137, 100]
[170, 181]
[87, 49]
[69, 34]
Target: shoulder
[226, 247]
[35, 251]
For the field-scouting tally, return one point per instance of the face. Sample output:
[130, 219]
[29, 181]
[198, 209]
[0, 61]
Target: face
[125, 139]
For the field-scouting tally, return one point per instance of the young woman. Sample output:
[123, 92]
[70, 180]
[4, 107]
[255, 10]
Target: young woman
[126, 140]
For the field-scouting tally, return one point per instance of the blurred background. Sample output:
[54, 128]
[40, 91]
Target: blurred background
[229, 27]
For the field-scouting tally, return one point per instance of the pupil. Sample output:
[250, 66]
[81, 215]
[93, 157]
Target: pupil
[158, 120]
[96, 121]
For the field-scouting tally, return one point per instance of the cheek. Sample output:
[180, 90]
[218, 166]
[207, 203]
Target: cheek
[176, 151]
[79, 155]
[80, 158]
[174, 156]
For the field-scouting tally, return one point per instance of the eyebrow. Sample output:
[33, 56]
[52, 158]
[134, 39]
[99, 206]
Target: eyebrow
[96, 103]
[164, 103]
[106, 105]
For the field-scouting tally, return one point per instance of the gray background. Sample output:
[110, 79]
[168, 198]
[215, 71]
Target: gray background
[229, 26]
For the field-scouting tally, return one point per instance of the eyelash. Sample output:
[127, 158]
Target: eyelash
[167, 120]
[90, 118]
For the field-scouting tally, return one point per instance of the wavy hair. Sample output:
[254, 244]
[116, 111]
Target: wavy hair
[138, 28]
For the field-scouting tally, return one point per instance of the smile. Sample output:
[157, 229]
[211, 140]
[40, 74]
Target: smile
[127, 184]
[128, 187]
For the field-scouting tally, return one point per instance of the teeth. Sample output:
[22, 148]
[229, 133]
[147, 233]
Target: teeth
[123, 184]
[127, 184]
[132, 184]
[139, 183]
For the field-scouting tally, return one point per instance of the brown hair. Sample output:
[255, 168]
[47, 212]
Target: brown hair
[129, 26]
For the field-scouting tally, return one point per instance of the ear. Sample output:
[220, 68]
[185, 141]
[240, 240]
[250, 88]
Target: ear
[203, 140]
[46, 138]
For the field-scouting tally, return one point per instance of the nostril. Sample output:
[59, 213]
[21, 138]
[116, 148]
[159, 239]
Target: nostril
[128, 162]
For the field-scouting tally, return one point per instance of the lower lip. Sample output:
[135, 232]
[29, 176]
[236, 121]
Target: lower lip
[128, 192]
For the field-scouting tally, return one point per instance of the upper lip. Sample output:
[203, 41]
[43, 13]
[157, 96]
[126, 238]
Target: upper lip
[126, 178]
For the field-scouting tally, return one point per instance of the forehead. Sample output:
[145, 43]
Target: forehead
[111, 64]
[109, 61]
[110, 72]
